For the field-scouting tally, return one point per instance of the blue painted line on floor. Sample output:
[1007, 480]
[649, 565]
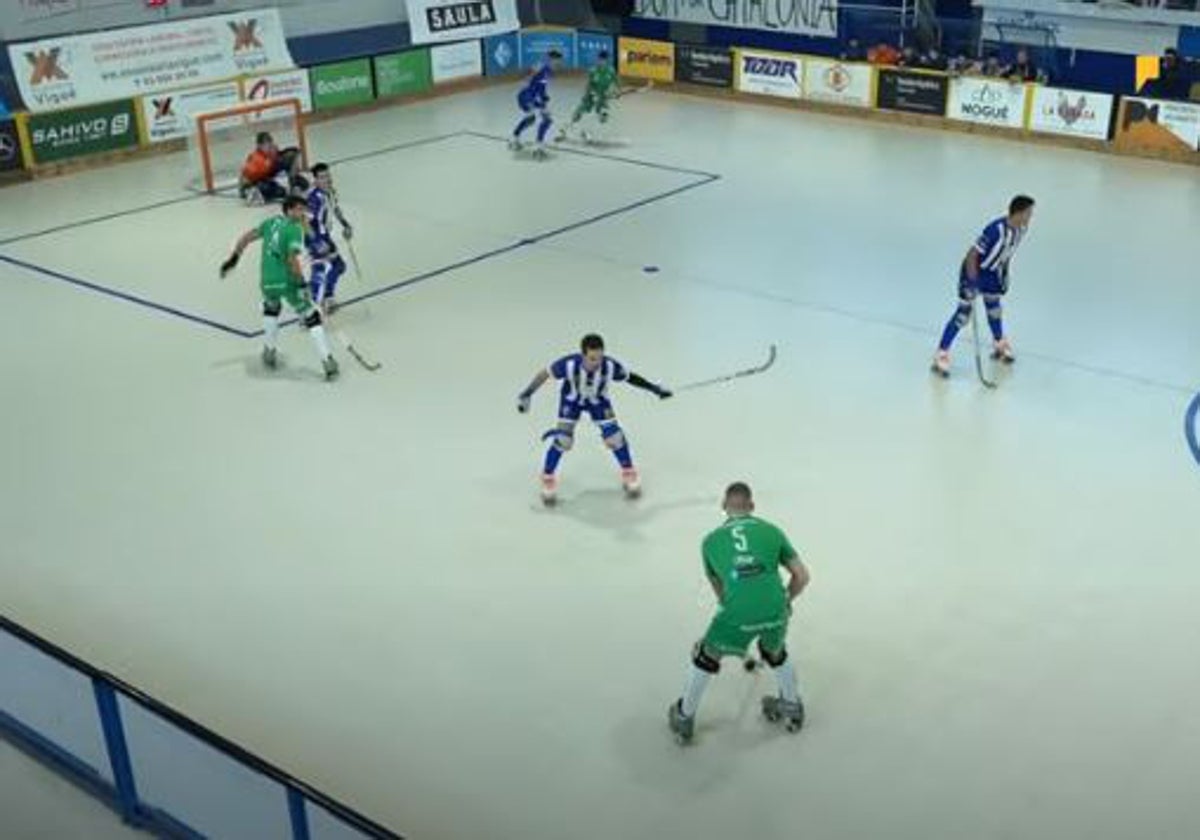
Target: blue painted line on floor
[665, 167]
[125, 296]
[1190, 421]
[231, 193]
[520, 243]
[704, 178]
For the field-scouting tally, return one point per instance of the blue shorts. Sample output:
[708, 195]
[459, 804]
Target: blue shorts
[988, 283]
[571, 410]
[529, 104]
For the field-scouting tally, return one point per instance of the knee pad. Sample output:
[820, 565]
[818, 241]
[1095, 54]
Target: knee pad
[312, 319]
[772, 659]
[564, 440]
[611, 432]
[272, 308]
[337, 268]
[962, 315]
[704, 661]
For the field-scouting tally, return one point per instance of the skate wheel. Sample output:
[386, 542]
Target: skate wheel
[793, 725]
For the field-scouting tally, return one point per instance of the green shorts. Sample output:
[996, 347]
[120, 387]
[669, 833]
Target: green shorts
[294, 295]
[594, 102]
[730, 638]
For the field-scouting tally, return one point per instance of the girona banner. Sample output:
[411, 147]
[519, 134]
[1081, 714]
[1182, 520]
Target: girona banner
[815, 18]
[117, 64]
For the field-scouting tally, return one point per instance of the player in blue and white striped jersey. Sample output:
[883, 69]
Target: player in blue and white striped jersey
[585, 378]
[327, 264]
[534, 100]
[985, 272]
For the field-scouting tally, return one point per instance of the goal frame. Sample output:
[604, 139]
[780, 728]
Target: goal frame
[246, 108]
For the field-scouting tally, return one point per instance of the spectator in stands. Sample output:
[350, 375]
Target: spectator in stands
[1024, 70]
[854, 51]
[909, 57]
[884, 54]
[934, 60]
[962, 65]
[993, 67]
[1173, 82]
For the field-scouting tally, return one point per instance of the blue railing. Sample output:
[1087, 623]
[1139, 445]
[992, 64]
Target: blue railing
[155, 767]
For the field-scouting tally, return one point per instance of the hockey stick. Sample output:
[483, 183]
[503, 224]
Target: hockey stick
[987, 383]
[639, 89]
[716, 380]
[354, 259]
[345, 341]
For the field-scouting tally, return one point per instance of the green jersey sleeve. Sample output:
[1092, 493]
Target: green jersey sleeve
[787, 553]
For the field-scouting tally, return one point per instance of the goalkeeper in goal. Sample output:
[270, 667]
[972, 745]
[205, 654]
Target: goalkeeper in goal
[259, 181]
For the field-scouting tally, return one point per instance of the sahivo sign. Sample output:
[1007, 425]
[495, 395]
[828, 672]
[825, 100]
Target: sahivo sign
[60, 135]
[992, 102]
[770, 74]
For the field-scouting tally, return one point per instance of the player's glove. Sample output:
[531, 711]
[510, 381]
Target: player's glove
[347, 232]
[230, 264]
[522, 403]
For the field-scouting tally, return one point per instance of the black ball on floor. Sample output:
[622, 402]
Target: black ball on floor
[749, 663]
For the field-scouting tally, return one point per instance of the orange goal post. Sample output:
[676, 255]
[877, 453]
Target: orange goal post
[220, 140]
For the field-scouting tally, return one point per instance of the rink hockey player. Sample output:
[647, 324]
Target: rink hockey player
[282, 280]
[534, 101]
[985, 272]
[585, 377]
[603, 85]
[258, 182]
[742, 560]
[327, 263]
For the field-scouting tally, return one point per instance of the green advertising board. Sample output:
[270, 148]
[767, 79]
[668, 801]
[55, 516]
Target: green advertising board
[342, 84]
[60, 135]
[403, 74]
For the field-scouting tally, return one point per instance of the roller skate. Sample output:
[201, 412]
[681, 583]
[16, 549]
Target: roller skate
[270, 358]
[683, 727]
[549, 490]
[330, 366]
[540, 153]
[631, 482]
[1002, 351]
[515, 145]
[776, 709]
[941, 364]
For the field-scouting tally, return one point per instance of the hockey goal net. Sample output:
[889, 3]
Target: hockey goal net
[220, 140]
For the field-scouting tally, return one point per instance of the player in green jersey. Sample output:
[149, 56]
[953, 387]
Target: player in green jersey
[282, 281]
[603, 85]
[742, 560]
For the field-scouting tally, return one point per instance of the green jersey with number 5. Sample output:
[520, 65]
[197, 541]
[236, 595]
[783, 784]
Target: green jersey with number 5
[745, 555]
[282, 239]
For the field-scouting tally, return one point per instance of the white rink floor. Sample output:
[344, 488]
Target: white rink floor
[356, 579]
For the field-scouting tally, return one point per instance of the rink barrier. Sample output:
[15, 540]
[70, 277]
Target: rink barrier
[156, 768]
[1061, 116]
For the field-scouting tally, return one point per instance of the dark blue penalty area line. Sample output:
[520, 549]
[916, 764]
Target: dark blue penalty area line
[618, 158]
[126, 296]
[506, 249]
[1189, 427]
[228, 193]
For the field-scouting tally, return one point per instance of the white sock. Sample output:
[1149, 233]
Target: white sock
[271, 330]
[786, 674]
[697, 681]
[321, 341]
